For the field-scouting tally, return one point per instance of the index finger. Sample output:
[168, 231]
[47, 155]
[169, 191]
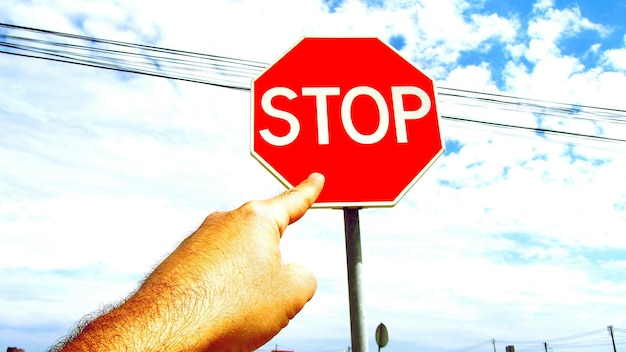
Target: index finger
[292, 204]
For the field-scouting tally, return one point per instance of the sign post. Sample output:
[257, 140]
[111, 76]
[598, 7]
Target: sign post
[358, 327]
[354, 110]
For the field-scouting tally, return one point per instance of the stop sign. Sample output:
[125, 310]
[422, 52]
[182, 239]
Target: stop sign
[352, 109]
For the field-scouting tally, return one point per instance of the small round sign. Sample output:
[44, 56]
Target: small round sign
[382, 336]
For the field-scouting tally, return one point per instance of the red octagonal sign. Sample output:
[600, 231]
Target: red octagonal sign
[352, 109]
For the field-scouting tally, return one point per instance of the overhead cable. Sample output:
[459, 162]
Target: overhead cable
[500, 111]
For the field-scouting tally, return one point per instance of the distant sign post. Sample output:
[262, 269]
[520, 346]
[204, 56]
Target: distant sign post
[354, 110]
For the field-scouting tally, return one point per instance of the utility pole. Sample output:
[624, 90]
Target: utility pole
[493, 341]
[545, 345]
[610, 328]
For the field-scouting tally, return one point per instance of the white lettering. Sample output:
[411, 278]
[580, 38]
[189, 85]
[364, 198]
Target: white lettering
[321, 94]
[294, 124]
[346, 115]
[401, 115]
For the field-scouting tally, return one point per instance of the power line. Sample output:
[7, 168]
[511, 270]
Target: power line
[533, 129]
[580, 340]
[571, 337]
[472, 347]
[228, 72]
[537, 103]
[142, 59]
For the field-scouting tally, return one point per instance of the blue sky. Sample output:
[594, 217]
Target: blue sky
[512, 235]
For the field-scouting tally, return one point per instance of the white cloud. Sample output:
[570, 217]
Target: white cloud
[551, 75]
[616, 58]
[470, 77]
[551, 26]
[542, 5]
[443, 32]
[564, 79]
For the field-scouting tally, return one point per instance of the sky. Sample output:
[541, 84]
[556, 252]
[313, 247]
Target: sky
[512, 237]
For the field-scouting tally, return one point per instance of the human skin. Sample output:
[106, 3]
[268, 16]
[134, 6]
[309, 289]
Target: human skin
[224, 288]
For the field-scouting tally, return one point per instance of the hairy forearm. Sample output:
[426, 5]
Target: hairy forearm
[177, 308]
[155, 318]
[145, 322]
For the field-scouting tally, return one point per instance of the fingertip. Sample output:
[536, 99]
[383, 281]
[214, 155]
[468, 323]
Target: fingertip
[317, 177]
[292, 204]
[300, 198]
[314, 183]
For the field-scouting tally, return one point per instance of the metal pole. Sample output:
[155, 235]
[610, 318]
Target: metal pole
[358, 327]
[610, 327]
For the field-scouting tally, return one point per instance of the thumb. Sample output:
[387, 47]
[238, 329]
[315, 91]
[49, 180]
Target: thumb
[301, 284]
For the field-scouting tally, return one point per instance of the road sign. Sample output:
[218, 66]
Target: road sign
[352, 109]
[382, 336]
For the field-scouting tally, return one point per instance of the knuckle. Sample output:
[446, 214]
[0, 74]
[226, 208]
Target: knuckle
[254, 210]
